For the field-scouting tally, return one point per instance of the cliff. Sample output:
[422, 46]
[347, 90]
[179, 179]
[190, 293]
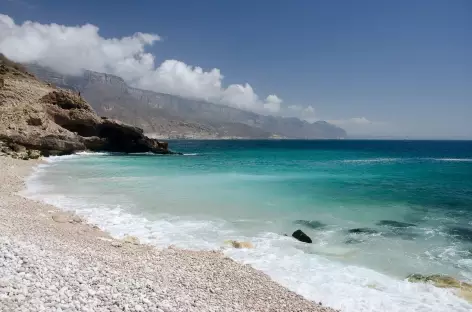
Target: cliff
[39, 119]
[174, 116]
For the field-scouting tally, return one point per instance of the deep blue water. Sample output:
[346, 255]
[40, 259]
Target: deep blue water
[376, 210]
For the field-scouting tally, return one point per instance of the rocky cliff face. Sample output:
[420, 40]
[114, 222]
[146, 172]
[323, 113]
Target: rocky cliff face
[38, 119]
[173, 115]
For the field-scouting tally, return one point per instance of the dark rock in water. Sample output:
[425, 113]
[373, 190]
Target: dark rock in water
[452, 203]
[401, 234]
[311, 224]
[362, 231]
[396, 224]
[398, 229]
[461, 233]
[298, 234]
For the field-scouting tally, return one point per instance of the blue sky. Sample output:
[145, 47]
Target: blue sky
[396, 68]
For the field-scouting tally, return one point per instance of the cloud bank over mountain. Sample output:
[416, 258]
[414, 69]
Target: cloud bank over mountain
[70, 49]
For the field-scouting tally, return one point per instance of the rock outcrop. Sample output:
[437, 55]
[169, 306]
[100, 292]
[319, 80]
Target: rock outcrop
[37, 119]
[301, 236]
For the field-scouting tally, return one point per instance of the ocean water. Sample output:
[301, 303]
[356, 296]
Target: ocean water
[412, 201]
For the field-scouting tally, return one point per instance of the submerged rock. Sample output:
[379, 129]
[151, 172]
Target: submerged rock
[396, 224]
[401, 234]
[362, 231]
[398, 229]
[299, 235]
[351, 241]
[444, 281]
[310, 223]
[461, 233]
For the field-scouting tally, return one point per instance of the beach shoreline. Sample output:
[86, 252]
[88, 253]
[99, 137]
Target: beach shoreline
[54, 261]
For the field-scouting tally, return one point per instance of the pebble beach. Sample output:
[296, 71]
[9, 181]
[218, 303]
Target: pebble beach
[53, 261]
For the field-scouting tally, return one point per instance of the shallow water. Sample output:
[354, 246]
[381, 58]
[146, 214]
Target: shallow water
[376, 211]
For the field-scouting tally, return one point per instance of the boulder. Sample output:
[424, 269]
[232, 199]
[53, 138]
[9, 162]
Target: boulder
[131, 240]
[34, 121]
[240, 245]
[75, 219]
[116, 244]
[60, 218]
[66, 218]
[34, 154]
[299, 235]
[18, 148]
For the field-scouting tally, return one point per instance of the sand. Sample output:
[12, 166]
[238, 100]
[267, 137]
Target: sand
[54, 261]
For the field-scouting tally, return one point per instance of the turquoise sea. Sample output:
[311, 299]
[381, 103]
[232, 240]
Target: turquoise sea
[376, 211]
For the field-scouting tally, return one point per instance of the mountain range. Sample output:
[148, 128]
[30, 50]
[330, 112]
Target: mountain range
[169, 116]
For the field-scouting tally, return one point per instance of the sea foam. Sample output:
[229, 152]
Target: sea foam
[302, 268]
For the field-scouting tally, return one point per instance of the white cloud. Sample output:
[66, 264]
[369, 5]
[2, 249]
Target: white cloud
[309, 110]
[307, 113]
[352, 121]
[70, 49]
[272, 103]
[363, 126]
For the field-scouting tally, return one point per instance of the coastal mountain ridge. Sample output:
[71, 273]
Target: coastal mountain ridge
[171, 116]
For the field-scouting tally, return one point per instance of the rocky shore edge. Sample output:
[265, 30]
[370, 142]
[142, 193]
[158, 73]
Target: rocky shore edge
[51, 260]
[38, 119]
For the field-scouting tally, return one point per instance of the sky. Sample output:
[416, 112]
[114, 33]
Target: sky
[376, 68]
